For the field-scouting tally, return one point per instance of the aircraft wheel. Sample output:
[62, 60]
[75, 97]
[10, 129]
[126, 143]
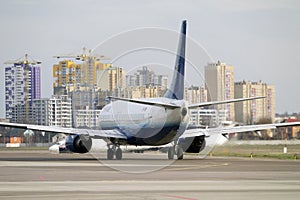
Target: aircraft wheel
[179, 153]
[171, 153]
[110, 154]
[119, 154]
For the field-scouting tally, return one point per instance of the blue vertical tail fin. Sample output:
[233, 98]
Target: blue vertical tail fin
[176, 90]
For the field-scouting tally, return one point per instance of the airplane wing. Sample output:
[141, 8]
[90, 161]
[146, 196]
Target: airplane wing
[113, 133]
[236, 129]
[222, 102]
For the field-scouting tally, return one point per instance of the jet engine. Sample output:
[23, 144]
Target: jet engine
[78, 143]
[192, 144]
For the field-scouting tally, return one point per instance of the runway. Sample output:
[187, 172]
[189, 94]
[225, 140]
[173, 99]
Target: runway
[42, 175]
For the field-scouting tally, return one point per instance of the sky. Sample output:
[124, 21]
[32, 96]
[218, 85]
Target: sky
[261, 39]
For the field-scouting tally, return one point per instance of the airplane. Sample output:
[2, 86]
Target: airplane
[149, 122]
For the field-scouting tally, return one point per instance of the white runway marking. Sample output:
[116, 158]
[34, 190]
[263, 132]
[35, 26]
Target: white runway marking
[137, 185]
[104, 164]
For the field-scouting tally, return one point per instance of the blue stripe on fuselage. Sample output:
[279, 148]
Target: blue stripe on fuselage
[161, 136]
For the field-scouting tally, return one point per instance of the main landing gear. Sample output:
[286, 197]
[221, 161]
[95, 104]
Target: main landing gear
[114, 151]
[178, 150]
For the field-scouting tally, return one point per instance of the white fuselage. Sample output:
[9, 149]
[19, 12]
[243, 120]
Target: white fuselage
[146, 124]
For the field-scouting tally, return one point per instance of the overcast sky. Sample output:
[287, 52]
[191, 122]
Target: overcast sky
[261, 39]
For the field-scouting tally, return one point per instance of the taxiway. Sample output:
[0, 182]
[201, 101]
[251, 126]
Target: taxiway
[42, 175]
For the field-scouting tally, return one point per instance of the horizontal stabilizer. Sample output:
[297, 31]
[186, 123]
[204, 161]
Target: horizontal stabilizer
[211, 103]
[146, 102]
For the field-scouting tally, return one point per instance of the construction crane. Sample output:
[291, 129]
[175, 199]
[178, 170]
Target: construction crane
[87, 72]
[23, 60]
[84, 56]
[26, 62]
[88, 79]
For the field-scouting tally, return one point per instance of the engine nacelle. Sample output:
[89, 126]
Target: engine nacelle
[192, 144]
[79, 143]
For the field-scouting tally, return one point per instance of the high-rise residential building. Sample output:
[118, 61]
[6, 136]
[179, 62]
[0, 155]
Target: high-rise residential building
[131, 81]
[87, 118]
[54, 111]
[144, 83]
[60, 111]
[251, 112]
[207, 117]
[219, 79]
[195, 95]
[22, 86]
[82, 99]
[35, 83]
[145, 77]
[89, 72]
[78, 81]
[161, 81]
[67, 77]
[143, 92]
[110, 78]
[40, 110]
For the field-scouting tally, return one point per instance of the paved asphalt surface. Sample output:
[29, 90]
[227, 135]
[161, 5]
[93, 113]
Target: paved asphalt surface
[42, 175]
